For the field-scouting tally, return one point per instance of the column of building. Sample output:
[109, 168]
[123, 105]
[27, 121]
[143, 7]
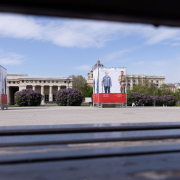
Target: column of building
[8, 95]
[42, 92]
[50, 93]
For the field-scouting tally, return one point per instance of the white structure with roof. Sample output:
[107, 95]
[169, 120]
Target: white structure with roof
[48, 87]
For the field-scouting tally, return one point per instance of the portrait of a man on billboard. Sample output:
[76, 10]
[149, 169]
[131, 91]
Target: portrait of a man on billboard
[122, 82]
[106, 82]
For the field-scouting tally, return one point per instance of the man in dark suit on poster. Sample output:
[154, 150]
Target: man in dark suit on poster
[107, 83]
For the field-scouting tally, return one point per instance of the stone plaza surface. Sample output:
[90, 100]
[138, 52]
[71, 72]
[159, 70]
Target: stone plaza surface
[56, 115]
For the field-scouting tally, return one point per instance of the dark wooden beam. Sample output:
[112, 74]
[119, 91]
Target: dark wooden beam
[162, 12]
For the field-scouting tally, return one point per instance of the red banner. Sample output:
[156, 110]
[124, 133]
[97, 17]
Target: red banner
[3, 99]
[110, 97]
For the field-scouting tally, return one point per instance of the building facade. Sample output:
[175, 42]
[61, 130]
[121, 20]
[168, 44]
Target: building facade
[132, 79]
[48, 87]
[172, 87]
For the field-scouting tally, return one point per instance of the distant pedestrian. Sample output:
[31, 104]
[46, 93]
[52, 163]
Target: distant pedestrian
[133, 104]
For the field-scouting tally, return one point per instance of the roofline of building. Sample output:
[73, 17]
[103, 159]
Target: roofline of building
[43, 78]
[3, 67]
[17, 74]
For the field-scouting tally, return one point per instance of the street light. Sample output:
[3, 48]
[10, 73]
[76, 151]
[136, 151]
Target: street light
[154, 94]
[67, 81]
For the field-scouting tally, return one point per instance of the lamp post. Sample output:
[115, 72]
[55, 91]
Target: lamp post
[67, 81]
[154, 95]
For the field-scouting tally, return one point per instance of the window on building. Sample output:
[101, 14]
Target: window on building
[48, 81]
[157, 85]
[128, 86]
[9, 82]
[56, 81]
[92, 75]
[13, 82]
[52, 81]
[54, 97]
[39, 81]
[22, 81]
[31, 81]
[134, 80]
[35, 81]
[128, 80]
[27, 81]
[47, 98]
[157, 81]
[134, 84]
[152, 81]
[44, 81]
[88, 77]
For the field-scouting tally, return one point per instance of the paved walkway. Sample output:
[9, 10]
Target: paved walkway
[18, 116]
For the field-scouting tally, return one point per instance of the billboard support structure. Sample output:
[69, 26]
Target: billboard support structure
[126, 89]
[3, 88]
[98, 81]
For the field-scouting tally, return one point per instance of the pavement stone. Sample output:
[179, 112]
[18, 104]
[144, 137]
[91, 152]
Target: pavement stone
[57, 115]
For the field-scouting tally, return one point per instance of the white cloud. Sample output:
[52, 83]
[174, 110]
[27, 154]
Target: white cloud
[139, 63]
[84, 68]
[175, 44]
[161, 34]
[80, 33]
[10, 58]
[116, 54]
[159, 63]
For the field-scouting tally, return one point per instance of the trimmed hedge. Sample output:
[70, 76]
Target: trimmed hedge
[23, 96]
[75, 97]
[148, 100]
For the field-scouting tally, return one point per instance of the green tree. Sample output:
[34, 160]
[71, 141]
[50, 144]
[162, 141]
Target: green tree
[165, 90]
[176, 94]
[80, 83]
[146, 87]
[87, 90]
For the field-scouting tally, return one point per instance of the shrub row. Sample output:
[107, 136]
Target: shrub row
[75, 97]
[148, 100]
[23, 96]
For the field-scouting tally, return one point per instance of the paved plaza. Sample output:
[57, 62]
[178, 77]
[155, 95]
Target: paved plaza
[56, 115]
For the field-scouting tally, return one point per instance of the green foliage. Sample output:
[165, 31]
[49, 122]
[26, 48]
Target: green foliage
[147, 87]
[87, 90]
[176, 94]
[165, 90]
[80, 83]
[144, 87]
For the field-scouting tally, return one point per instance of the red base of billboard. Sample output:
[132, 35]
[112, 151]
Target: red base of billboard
[3, 99]
[110, 98]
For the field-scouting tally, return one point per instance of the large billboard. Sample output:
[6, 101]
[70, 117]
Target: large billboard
[3, 85]
[111, 85]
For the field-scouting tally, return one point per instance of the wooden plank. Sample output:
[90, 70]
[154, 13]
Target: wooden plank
[155, 12]
[84, 128]
[161, 166]
[32, 140]
[61, 153]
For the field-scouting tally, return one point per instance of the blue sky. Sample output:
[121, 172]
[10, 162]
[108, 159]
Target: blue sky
[59, 47]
